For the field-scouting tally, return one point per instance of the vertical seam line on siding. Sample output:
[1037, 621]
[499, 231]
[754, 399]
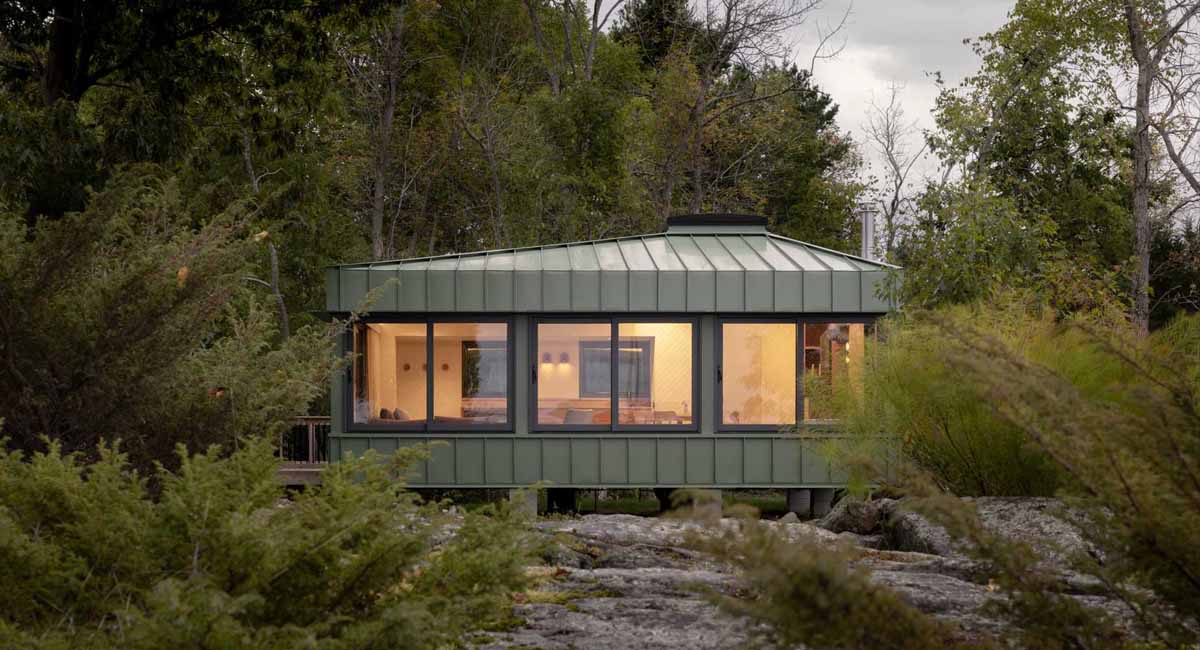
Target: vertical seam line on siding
[599, 278]
[774, 300]
[745, 278]
[641, 241]
[628, 273]
[707, 259]
[686, 281]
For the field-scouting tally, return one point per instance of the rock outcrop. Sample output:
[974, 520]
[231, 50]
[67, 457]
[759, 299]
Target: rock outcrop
[622, 581]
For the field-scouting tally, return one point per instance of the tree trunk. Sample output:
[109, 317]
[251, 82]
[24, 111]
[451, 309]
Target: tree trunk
[697, 149]
[1141, 170]
[498, 193]
[539, 38]
[248, 159]
[383, 164]
[60, 59]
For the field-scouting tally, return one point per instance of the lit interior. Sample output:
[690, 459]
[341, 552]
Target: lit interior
[759, 373]
[389, 379]
[564, 394]
[470, 373]
[658, 391]
[833, 359]
[654, 374]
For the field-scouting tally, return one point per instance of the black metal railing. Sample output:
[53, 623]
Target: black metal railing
[306, 441]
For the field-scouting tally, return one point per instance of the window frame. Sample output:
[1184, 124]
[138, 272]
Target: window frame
[428, 424]
[720, 426]
[614, 322]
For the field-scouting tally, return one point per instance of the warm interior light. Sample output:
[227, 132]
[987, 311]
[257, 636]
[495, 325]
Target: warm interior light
[546, 358]
[563, 357]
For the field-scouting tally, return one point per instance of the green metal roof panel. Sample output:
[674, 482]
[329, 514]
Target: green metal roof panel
[583, 258]
[691, 255]
[663, 255]
[716, 253]
[729, 269]
[609, 254]
[637, 258]
[556, 259]
[833, 261]
[745, 256]
[529, 260]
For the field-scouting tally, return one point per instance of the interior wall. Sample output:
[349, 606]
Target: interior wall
[390, 346]
[558, 380]
[671, 378]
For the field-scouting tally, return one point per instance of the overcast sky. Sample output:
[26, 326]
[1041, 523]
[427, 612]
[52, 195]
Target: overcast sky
[897, 41]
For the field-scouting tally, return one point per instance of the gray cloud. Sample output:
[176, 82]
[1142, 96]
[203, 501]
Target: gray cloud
[897, 42]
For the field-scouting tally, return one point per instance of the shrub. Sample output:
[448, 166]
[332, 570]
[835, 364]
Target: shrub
[220, 559]
[801, 594]
[1120, 418]
[132, 321]
[942, 424]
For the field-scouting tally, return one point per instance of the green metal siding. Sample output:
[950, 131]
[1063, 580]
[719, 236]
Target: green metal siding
[607, 460]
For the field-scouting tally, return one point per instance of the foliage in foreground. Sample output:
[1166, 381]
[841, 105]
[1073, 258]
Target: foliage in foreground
[943, 425]
[133, 320]
[219, 559]
[1120, 418]
[808, 596]
[1115, 418]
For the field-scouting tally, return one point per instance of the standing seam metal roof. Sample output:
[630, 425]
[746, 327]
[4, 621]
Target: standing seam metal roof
[741, 270]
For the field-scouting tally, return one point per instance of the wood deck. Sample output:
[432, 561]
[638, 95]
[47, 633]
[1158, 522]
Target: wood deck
[298, 473]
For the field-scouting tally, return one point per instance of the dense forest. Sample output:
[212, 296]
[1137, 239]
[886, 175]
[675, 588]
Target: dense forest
[175, 176]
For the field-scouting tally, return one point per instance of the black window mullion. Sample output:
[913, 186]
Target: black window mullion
[613, 360]
[800, 342]
[429, 375]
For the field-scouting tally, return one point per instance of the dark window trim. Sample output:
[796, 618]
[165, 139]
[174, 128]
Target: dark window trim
[614, 321]
[799, 321]
[429, 424]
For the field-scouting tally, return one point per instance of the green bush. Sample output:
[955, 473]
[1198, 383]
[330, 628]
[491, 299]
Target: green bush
[942, 424]
[803, 595]
[1120, 418]
[133, 320]
[221, 559]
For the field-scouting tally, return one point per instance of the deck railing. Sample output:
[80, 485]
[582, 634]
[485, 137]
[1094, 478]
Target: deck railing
[307, 440]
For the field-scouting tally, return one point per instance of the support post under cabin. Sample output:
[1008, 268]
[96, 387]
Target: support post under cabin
[800, 501]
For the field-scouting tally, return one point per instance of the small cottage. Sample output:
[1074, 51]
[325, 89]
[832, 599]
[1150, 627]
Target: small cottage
[683, 358]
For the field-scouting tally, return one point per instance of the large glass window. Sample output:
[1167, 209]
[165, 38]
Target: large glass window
[833, 360]
[654, 374]
[389, 374]
[574, 379]
[470, 373]
[392, 375]
[654, 378]
[758, 374]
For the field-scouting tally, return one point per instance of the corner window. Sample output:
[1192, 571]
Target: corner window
[653, 385]
[758, 374]
[833, 361]
[393, 381]
[389, 374]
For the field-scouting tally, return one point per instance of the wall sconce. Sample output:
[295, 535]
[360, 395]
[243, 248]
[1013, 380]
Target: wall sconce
[563, 357]
[445, 366]
[406, 367]
[546, 358]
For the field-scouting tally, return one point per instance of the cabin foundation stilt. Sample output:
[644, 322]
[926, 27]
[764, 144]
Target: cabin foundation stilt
[822, 501]
[800, 502]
